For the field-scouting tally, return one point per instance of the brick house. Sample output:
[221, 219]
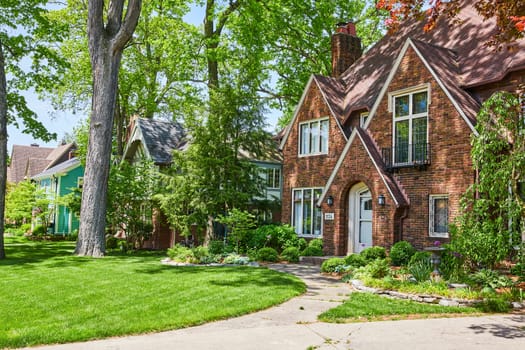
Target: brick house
[380, 151]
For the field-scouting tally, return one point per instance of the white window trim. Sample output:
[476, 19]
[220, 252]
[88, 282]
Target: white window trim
[314, 202]
[363, 117]
[273, 170]
[410, 92]
[319, 120]
[431, 199]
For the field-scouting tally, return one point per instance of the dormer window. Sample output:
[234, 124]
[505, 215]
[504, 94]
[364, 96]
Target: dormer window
[313, 137]
[363, 117]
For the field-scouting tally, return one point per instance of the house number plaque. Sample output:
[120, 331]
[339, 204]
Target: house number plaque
[328, 216]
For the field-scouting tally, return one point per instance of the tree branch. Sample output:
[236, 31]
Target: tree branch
[95, 22]
[114, 16]
[128, 26]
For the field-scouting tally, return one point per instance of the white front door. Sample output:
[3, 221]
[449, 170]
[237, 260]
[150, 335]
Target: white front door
[360, 218]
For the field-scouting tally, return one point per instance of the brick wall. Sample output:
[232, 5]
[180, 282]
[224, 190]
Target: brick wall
[450, 171]
[309, 171]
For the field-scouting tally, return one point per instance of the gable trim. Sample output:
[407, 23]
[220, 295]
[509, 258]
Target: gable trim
[336, 168]
[136, 135]
[296, 112]
[340, 162]
[395, 67]
[301, 101]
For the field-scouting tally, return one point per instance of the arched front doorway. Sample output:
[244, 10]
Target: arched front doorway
[359, 218]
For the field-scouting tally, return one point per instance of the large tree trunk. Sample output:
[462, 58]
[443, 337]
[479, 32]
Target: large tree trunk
[106, 43]
[3, 147]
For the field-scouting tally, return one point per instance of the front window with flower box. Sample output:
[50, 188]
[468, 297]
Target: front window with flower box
[306, 216]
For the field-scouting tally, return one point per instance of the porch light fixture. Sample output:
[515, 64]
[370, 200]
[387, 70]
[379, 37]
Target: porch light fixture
[330, 201]
[381, 200]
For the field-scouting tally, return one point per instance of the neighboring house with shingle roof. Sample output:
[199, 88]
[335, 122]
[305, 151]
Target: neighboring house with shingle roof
[380, 151]
[156, 140]
[58, 181]
[27, 161]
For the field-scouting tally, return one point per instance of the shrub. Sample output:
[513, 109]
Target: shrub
[73, 236]
[316, 243]
[267, 254]
[216, 247]
[39, 230]
[401, 253]
[419, 256]
[290, 254]
[331, 264]
[182, 254]
[278, 237]
[314, 248]
[111, 242]
[373, 253]
[200, 253]
[378, 268]
[355, 260]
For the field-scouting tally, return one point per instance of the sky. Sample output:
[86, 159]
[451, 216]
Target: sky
[63, 122]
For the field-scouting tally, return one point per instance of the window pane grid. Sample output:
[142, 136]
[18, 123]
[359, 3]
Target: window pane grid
[438, 216]
[307, 217]
[314, 137]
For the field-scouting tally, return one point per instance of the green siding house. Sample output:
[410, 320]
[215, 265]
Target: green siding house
[59, 181]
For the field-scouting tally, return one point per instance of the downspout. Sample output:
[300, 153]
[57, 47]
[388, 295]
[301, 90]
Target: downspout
[401, 219]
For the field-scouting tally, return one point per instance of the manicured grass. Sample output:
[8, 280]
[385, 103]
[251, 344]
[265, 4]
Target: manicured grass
[371, 307]
[50, 296]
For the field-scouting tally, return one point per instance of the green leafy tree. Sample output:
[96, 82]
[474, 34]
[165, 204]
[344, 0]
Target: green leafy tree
[492, 209]
[130, 190]
[240, 224]
[25, 202]
[26, 32]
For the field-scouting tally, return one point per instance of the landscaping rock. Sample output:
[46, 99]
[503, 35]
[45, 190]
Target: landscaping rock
[516, 305]
[448, 302]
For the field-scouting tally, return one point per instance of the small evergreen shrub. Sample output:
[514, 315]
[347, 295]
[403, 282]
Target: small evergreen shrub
[290, 254]
[235, 259]
[314, 248]
[332, 264]
[267, 254]
[355, 260]
[316, 243]
[401, 252]
[111, 242]
[73, 236]
[216, 247]
[39, 230]
[419, 256]
[373, 253]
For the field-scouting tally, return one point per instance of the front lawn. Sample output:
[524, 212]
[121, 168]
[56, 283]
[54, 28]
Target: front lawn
[49, 296]
[370, 307]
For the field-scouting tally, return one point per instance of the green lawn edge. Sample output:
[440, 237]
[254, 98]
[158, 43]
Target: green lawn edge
[50, 296]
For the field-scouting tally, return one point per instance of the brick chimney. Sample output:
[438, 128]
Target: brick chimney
[346, 48]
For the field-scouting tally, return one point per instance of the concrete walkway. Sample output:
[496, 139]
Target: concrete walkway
[293, 325]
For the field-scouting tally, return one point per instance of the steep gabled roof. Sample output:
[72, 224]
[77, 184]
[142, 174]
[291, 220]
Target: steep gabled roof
[332, 91]
[394, 188]
[58, 169]
[461, 47]
[27, 161]
[159, 138]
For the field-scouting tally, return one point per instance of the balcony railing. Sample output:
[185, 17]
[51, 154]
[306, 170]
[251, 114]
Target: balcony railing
[405, 156]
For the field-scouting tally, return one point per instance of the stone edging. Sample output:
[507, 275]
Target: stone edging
[168, 261]
[430, 299]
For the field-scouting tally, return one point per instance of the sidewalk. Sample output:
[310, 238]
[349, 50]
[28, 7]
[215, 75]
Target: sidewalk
[293, 325]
